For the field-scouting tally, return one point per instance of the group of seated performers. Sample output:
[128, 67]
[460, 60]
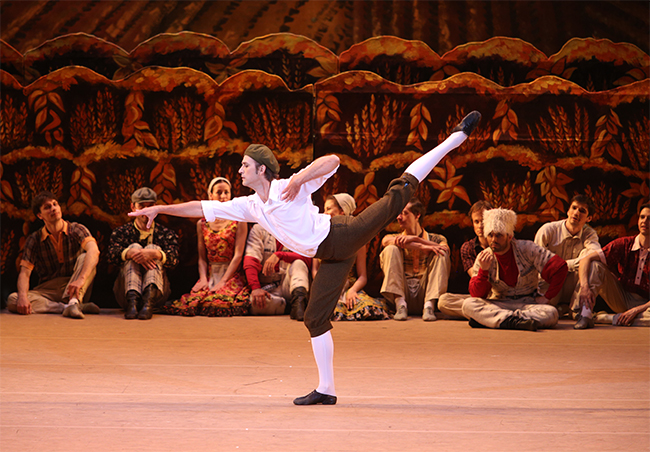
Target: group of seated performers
[514, 283]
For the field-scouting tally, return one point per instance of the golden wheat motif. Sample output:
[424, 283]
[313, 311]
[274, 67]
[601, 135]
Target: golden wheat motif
[13, 123]
[561, 135]
[608, 205]
[178, 123]
[93, 122]
[39, 177]
[282, 127]
[515, 196]
[120, 185]
[635, 142]
[8, 240]
[371, 134]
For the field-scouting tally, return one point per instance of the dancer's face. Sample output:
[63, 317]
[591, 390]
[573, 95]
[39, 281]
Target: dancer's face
[332, 209]
[250, 172]
[500, 243]
[221, 192]
[577, 216]
[644, 222]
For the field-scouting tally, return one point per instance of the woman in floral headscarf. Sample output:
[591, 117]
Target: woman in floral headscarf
[221, 290]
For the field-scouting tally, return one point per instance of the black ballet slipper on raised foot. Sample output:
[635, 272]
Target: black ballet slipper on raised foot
[468, 124]
[314, 398]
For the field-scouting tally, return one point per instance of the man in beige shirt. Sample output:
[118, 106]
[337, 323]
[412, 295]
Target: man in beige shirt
[416, 266]
[571, 239]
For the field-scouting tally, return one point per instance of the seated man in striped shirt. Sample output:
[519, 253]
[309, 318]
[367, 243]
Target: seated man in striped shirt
[64, 255]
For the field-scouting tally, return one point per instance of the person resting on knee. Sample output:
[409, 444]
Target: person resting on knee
[143, 251]
[416, 265]
[65, 257]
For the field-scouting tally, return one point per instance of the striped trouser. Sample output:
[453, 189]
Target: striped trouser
[134, 276]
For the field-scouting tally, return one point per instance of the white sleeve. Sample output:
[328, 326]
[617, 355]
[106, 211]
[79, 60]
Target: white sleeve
[235, 210]
[311, 186]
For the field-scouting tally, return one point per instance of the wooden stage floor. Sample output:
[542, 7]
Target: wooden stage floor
[227, 384]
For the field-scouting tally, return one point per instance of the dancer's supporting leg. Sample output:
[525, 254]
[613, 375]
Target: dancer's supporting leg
[323, 348]
[341, 245]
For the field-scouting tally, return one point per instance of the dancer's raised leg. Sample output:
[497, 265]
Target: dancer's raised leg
[421, 168]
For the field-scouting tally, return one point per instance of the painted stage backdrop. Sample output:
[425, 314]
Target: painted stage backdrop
[91, 122]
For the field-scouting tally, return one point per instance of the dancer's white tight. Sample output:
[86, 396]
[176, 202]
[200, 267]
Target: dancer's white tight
[425, 164]
[323, 347]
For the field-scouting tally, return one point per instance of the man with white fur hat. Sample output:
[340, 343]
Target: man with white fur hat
[504, 286]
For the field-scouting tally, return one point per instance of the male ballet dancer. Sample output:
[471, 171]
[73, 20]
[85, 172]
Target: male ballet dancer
[284, 208]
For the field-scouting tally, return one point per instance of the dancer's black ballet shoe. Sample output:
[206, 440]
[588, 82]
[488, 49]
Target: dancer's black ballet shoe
[468, 124]
[314, 398]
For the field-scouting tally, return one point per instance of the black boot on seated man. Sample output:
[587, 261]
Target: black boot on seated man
[298, 303]
[133, 299]
[519, 323]
[150, 298]
[474, 324]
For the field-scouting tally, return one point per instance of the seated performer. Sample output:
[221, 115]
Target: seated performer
[504, 286]
[221, 290]
[619, 274]
[65, 257]
[354, 303]
[416, 266]
[285, 209]
[451, 304]
[571, 239]
[143, 250]
[279, 279]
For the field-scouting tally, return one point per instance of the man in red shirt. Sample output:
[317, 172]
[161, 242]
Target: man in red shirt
[619, 274]
[504, 286]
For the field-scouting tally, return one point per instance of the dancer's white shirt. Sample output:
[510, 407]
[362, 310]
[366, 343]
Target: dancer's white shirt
[296, 224]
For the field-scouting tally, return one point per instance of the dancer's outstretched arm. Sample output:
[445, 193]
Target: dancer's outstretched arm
[190, 209]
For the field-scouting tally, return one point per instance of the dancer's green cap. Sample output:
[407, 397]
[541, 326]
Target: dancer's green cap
[264, 156]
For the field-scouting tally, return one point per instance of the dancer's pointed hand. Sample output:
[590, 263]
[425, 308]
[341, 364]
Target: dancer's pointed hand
[150, 212]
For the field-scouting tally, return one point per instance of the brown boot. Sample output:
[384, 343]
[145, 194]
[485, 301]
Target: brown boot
[150, 298]
[298, 303]
[133, 298]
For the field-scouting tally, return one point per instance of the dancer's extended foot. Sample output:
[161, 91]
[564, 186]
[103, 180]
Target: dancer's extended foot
[469, 123]
[314, 398]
